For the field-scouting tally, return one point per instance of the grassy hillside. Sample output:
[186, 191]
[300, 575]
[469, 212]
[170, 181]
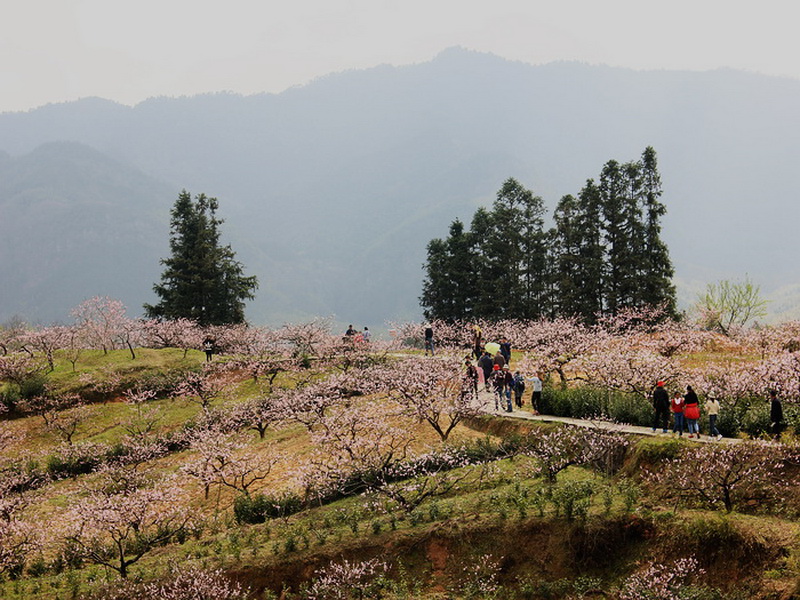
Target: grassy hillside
[493, 526]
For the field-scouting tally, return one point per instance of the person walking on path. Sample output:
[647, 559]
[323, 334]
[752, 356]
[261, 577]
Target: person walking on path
[477, 341]
[676, 406]
[497, 385]
[471, 375]
[499, 360]
[775, 415]
[661, 407]
[508, 386]
[486, 364]
[691, 411]
[505, 350]
[712, 410]
[519, 388]
[536, 395]
[429, 340]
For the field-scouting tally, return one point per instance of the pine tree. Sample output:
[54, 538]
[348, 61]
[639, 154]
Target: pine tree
[448, 290]
[657, 288]
[565, 246]
[512, 252]
[202, 280]
[591, 265]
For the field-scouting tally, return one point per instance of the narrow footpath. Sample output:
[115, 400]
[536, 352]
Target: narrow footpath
[486, 400]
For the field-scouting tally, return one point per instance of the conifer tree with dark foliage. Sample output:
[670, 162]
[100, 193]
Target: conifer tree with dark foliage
[202, 280]
[604, 253]
[448, 293]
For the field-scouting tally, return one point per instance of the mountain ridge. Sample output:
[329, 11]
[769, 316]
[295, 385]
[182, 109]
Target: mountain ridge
[331, 190]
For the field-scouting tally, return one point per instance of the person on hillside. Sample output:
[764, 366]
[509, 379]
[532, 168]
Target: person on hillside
[429, 340]
[712, 410]
[508, 387]
[691, 411]
[536, 395]
[471, 375]
[499, 360]
[497, 385]
[366, 335]
[505, 350]
[661, 407]
[208, 348]
[676, 406]
[775, 415]
[519, 388]
[486, 364]
[477, 341]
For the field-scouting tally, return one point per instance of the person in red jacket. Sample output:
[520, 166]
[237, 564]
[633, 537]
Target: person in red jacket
[691, 411]
[676, 406]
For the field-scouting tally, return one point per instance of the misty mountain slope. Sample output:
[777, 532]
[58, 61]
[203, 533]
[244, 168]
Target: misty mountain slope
[76, 224]
[331, 191]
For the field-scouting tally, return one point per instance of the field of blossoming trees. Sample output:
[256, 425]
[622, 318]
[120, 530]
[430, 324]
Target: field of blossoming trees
[301, 464]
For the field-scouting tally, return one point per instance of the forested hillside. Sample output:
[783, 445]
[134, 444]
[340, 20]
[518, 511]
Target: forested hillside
[330, 191]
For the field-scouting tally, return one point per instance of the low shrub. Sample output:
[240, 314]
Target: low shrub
[582, 402]
[260, 507]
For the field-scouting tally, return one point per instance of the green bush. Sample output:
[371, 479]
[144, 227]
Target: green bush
[35, 385]
[259, 507]
[583, 402]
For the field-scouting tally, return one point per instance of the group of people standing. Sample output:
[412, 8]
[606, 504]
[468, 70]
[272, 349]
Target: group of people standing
[354, 336]
[495, 370]
[685, 411]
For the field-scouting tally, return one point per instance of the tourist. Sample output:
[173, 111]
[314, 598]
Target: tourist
[519, 388]
[536, 396]
[712, 410]
[775, 415]
[486, 364]
[508, 386]
[676, 406]
[498, 381]
[208, 348]
[661, 407]
[691, 411]
[471, 376]
[428, 339]
[477, 341]
[505, 350]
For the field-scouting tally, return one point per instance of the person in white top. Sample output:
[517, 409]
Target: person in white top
[712, 409]
[536, 396]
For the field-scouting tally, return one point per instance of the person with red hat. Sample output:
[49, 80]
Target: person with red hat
[498, 383]
[661, 407]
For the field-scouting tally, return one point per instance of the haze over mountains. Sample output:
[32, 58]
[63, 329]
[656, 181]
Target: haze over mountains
[331, 191]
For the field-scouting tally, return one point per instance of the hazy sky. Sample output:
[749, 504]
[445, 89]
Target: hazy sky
[57, 50]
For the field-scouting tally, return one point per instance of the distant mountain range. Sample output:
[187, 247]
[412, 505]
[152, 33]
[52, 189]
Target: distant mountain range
[331, 191]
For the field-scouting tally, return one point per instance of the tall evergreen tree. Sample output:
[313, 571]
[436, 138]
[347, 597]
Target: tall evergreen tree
[512, 249]
[565, 245]
[657, 288]
[449, 287]
[603, 254]
[202, 280]
[590, 270]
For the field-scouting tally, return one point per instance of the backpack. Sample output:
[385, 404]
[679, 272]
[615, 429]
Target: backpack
[519, 383]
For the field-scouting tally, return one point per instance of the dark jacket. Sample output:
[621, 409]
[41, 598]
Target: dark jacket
[660, 399]
[486, 363]
[776, 411]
